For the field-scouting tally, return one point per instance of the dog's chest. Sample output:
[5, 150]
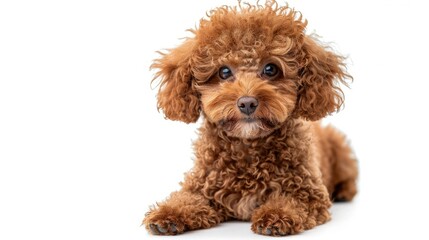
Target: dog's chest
[239, 186]
[236, 199]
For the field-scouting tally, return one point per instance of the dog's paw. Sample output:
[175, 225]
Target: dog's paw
[274, 229]
[159, 222]
[163, 229]
[276, 223]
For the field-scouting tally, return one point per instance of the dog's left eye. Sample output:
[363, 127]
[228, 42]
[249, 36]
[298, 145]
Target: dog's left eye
[225, 73]
[270, 70]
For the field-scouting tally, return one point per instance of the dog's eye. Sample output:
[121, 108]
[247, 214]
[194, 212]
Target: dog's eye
[270, 70]
[225, 73]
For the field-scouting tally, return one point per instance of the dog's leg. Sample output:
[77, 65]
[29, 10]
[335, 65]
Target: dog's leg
[181, 212]
[344, 165]
[345, 168]
[282, 216]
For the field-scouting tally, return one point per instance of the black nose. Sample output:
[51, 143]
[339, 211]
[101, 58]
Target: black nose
[247, 105]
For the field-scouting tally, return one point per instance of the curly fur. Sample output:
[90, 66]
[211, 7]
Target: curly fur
[277, 167]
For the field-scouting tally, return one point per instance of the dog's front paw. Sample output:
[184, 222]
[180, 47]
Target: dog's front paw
[159, 223]
[165, 228]
[276, 223]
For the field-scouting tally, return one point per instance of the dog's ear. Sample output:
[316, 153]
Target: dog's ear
[177, 97]
[320, 75]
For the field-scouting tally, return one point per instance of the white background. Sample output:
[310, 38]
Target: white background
[84, 152]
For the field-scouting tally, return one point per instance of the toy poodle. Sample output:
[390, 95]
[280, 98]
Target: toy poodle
[260, 85]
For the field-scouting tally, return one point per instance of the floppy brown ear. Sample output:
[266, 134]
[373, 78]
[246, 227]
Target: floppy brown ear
[320, 75]
[177, 97]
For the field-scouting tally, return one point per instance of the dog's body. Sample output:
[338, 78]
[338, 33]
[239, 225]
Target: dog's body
[261, 85]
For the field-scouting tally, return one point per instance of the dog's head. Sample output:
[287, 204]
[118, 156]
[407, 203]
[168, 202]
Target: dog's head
[248, 69]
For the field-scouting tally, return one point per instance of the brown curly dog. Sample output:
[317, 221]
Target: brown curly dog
[260, 84]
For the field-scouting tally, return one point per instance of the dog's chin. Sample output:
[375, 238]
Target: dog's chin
[248, 128]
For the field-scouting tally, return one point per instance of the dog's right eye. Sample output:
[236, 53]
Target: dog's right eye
[225, 73]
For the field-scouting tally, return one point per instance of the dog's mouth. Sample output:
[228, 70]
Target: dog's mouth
[227, 123]
[265, 122]
[248, 127]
